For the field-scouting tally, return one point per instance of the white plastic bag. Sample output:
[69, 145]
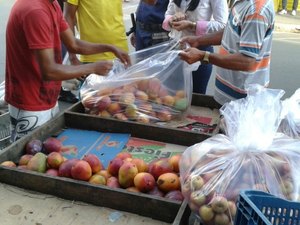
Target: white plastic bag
[252, 155]
[290, 124]
[156, 89]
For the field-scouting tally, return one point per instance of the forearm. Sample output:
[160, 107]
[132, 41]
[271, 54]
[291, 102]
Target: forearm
[87, 48]
[236, 61]
[210, 39]
[66, 72]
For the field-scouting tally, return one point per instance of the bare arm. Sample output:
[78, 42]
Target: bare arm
[204, 40]
[77, 46]
[54, 71]
[235, 61]
[70, 16]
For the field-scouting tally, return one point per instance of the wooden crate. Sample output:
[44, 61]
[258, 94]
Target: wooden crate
[142, 204]
[162, 133]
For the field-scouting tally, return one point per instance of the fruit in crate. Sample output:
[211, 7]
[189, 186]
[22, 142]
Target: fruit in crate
[144, 181]
[97, 179]
[24, 159]
[33, 146]
[81, 170]
[113, 182]
[65, 168]
[126, 174]
[54, 160]
[174, 161]
[52, 172]
[140, 164]
[94, 162]
[160, 166]
[168, 182]
[155, 191]
[8, 164]
[174, 195]
[38, 163]
[114, 166]
[52, 144]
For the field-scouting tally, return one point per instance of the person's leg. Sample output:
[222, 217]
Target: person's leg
[295, 5]
[284, 3]
[24, 122]
[201, 75]
[283, 10]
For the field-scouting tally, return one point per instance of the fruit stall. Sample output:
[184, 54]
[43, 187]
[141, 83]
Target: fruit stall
[140, 145]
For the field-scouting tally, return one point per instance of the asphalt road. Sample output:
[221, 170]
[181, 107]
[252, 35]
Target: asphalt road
[285, 53]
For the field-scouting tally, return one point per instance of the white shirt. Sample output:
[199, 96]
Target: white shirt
[210, 15]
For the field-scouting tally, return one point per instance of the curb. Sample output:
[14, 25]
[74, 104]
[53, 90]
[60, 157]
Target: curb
[282, 27]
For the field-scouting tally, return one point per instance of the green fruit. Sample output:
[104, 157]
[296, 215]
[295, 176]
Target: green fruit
[38, 163]
[181, 104]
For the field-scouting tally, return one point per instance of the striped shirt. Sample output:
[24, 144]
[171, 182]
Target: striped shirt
[249, 31]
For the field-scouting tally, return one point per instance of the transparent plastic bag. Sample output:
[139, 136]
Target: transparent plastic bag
[156, 89]
[252, 155]
[290, 124]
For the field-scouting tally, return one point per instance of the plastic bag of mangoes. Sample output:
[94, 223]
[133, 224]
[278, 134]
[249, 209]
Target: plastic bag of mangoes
[156, 89]
[252, 155]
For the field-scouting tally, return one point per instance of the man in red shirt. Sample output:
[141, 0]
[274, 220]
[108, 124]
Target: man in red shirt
[34, 69]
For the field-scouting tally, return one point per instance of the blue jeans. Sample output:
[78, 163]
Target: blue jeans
[202, 74]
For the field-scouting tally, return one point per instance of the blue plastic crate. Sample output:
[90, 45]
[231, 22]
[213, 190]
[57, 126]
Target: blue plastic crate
[260, 208]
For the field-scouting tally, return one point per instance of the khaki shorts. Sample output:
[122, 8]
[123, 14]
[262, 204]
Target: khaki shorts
[23, 122]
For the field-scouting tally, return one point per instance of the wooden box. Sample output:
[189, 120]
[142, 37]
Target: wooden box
[161, 133]
[142, 204]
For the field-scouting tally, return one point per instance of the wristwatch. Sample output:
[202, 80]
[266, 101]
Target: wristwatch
[205, 59]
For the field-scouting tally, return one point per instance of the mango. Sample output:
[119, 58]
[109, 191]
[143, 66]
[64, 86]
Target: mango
[168, 182]
[38, 163]
[127, 172]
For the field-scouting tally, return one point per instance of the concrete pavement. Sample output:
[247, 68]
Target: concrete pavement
[287, 22]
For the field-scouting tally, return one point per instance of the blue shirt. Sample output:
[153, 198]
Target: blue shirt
[154, 14]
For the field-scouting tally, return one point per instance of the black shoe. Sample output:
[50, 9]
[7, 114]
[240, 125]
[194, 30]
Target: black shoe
[67, 96]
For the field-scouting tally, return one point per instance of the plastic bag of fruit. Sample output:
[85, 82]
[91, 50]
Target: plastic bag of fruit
[290, 124]
[156, 89]
[252, 155]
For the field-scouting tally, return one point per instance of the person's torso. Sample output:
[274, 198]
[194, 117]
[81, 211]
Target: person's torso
[238, 37]
[101, 21]
[25, 87]
[152, 14]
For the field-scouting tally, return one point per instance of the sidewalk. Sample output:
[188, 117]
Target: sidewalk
[287, 23]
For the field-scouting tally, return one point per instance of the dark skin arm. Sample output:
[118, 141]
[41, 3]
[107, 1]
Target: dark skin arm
[235, 61]
[54, 71]
[70, 16]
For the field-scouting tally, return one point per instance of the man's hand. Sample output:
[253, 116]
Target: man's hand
[181, 25]
[123, 56]
[191, 40]
[103, 67]
[133, 39]
[191, 55]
